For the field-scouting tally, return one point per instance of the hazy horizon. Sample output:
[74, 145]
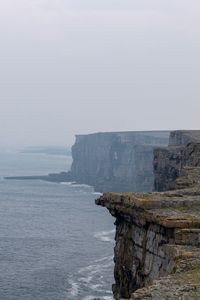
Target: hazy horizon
[77, 67]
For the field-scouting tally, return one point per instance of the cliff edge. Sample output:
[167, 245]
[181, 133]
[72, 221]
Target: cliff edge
[157, 251]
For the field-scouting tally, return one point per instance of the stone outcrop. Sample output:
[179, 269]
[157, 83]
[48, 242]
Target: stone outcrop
[116, 161]
[157, 251]
[156, 235]
[177, 166]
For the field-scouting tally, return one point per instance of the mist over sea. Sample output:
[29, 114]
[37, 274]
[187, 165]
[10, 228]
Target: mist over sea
[55, 244]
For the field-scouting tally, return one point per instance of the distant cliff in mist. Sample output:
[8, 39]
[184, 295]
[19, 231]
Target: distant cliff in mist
[111, 161]
[116, 161]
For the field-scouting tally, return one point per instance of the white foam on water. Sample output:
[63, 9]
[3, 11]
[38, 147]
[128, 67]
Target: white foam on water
[81, 185]
[103, 259]
[96, 287]
[67, 182]
[74, 289]
[92, 275]
[105, 236]
[86, 269]
[92, 278]
[86, 279]
[98, 266]
[74, 184]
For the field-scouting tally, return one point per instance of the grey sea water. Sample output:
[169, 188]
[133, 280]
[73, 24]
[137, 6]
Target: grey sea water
[55, 244]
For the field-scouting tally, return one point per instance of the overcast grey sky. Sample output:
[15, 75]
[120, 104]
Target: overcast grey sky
[81, 66]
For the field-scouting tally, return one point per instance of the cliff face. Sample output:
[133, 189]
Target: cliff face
[157, 253]
[176, 166]
[156, 235]
[116, 161]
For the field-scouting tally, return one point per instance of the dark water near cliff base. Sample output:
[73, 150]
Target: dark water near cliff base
[55, 243]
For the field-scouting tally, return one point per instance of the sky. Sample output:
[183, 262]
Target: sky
[80, 66]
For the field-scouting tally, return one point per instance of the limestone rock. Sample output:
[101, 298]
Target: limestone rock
[177, 166]
[157, 250]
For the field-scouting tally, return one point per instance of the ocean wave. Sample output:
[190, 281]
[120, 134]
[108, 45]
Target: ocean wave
[85, 279]
[81, 185]
[73, 183]
[91, 278]
[97, 267]
[68, 182]
[106, 258]
[105, 236]
[74, 289]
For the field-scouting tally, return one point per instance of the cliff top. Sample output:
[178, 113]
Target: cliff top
[158, 133]
[176, 137]
[170, 209]
[183, 137]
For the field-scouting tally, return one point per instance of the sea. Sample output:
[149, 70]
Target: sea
[55, 243]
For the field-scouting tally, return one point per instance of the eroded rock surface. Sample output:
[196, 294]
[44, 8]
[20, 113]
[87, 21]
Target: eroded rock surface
[177, 166]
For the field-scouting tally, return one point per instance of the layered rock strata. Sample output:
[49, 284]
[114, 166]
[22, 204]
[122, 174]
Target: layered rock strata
[157, 251]
[116, 161]
[156, 234]
[177, 166]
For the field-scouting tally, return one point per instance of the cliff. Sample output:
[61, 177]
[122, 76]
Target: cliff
[177, 165]
[157, 253]
[116, 161]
